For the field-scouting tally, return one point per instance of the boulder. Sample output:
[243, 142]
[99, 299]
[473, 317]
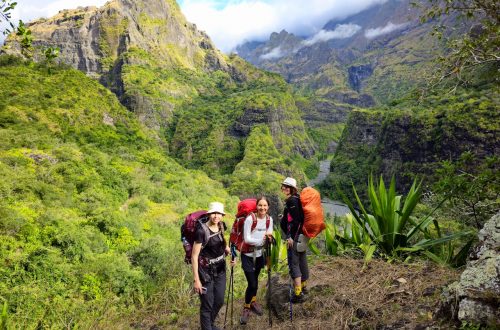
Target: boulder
[476, 297]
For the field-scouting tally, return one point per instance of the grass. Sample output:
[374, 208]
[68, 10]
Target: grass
[342, 295]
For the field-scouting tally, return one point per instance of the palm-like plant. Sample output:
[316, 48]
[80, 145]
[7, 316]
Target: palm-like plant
[278, 252]
[387, 226]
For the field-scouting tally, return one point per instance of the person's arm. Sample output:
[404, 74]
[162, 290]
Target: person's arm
[247, 232]
[269, 230]
[194, 262]
[295, 211]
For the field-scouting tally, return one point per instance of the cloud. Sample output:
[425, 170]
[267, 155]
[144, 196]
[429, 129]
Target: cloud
[274, 53]
[231, 22]
[254, 20]
[341, 31]
[389, 27]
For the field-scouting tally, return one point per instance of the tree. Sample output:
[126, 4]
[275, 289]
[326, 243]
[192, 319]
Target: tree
[479, 46]
[6, 7]
[473, 188]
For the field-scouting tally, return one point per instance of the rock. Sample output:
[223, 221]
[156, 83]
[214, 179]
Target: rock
[477, 294]
[357, 74]
[279, 302]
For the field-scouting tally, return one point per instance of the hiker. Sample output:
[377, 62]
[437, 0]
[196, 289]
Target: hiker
[291, 223]
[252, 262]
[209, 265]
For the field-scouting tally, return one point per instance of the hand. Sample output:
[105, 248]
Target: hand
[227, 251]
[233, 262]
[197, 286]
[289, 242]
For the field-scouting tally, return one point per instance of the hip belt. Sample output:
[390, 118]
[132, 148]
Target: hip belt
[215, 260]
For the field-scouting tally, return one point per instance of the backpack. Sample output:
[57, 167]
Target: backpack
[188, 230]
[314, 222]
[245, 207]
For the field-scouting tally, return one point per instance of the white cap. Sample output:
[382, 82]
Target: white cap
[216, 207]
[291, 182]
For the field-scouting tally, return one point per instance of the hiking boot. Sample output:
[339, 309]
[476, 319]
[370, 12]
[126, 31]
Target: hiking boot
[256, 308]
[245, 315]
[298, 298]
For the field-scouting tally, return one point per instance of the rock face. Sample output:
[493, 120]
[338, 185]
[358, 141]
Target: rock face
[357, 74]
[110, 42]
[477, 294]
[404, 143]
[92, 39]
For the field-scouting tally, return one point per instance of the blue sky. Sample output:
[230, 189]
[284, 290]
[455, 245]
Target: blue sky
[230, 22]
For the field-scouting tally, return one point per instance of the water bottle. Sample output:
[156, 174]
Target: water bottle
[187, 248]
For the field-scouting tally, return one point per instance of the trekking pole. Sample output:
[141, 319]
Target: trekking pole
[230, 290]
[233, 256]
[291, 291]
[227, 300]
[269, 242]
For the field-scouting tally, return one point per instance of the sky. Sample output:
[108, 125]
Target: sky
[232, 22]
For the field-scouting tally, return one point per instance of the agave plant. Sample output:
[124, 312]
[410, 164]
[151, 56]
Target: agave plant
[388, 228]
[278, 252]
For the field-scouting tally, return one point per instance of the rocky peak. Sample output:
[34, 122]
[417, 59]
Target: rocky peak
[93, 39]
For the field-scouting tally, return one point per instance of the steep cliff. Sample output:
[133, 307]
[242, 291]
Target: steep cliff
[410, 141]
[171, 76]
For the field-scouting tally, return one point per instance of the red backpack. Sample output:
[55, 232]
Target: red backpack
[245, 207]
[188, 229]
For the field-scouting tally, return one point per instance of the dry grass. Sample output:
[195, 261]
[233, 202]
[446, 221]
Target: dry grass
[343, 295]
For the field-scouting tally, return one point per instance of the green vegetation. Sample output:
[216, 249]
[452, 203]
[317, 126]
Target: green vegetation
[470, 50]
[413, 139]
[89, 203]
[472, 187]
[391, 227]
[213, 131]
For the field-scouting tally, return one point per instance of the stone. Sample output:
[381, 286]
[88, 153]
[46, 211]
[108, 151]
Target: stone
[476, 297]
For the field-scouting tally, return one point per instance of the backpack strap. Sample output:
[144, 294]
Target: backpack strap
[254, 221]
[208, 235]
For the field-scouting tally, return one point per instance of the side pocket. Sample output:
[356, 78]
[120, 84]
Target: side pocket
[204, 276]
[301, 245]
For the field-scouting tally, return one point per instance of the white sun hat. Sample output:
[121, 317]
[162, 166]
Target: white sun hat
[216, 207]
[291, 182]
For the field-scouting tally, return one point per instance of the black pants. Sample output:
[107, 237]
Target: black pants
[212, 301]
[252, 272]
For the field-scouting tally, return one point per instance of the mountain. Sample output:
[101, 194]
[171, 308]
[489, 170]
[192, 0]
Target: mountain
[368, 59]
[348, 59]
[363, 73]
[201, 103]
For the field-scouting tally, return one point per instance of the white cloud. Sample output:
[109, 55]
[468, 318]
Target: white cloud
[242, 20]
[275, 53]
[389, 27]
[230, 22]
[341, 31]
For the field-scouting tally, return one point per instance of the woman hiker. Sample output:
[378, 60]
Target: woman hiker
[209, 265]
[252, 260]
[291, 223]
